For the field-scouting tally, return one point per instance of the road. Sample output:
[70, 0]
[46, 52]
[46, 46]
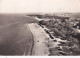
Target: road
[15, 37]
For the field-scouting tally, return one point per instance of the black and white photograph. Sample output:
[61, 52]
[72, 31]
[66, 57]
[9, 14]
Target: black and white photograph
[39, 28]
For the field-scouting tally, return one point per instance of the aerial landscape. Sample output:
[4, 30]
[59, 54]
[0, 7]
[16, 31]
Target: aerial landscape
[39, 31]
[63, 32]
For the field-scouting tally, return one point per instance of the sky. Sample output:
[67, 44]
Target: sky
[39, 6]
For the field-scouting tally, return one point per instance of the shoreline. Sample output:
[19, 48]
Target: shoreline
[31, 48]
[40, 48]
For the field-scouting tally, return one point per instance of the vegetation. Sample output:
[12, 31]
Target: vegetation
[66, 29]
